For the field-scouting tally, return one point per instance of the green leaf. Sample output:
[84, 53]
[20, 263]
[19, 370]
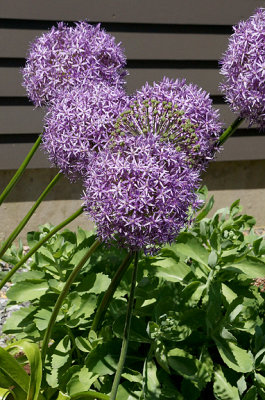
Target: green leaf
[32, 353]
[188, 246]
[94, 283]
[42, 318]
[223, 390]
[61, 353]
[206, 210]
[251, 394]
[28, 275]
[27, 290]
[13, 370]
[81, 381]
[235, 357]
[128, 391]
[15, 322]
[182, 362]
[82, 306]
[250, 266]
[169, 269]
[151, 385]
[104, 358]
[137, 332]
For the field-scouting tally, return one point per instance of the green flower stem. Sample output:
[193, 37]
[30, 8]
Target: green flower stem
[38, 245]
[109, 293]
[126, 333]
[21, 225]
[62, 296]
[230, 130]
[90, 394]
[20, 170]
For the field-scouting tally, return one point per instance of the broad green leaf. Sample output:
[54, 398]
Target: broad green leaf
[251, 394]
[61, 353]
[137, 332]
[62, 396]
[10, 367]
[81, 381]
[83, 344]
[170, 270]
[151, 385]
[132, 376]
[182, 362]
[42, 318]
[104, 358]
[188, 246]
[32, 353]
[235, 357]
[260, 379]
[17, 319]
[252, 267]
[128, 391]
[27, 290]
[83, 306]
[214, 313]
[94, 283]
[223, 390]
[29, 275]
[228, 293]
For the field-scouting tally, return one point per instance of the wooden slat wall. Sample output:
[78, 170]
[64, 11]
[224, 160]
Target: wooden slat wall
[170, 37]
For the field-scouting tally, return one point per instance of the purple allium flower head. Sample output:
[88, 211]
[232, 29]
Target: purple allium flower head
[78, 123]
[243, 67]
[69, 56]
[141, 193]
[177, 112]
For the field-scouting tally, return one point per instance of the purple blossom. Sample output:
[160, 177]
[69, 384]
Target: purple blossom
[178, 112]
[69, 56]
[243, 67]
[78, 123]
[141, 193]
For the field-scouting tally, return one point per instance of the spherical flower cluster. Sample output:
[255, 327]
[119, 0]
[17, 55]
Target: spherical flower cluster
[179, 112]
[141, 193]
[243, 67]
[78, 123]
[67, 57]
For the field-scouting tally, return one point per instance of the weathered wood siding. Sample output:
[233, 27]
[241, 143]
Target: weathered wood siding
[161, 37]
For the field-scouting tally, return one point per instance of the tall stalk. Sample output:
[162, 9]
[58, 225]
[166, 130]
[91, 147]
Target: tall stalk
[230, 130]
[126, 333]
[62, 296]
[38, 245]
[110, 291]
[27, 217]
[20, 170]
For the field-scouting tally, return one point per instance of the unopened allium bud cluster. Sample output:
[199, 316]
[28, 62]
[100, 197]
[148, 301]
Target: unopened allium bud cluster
[140, 157]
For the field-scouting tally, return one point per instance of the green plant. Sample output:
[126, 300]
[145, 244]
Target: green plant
[198, 326]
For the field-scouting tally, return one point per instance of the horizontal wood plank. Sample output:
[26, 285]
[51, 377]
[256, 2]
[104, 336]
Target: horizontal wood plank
[208, 79]
[225, 12]
[235, 149]
[137, 45]
[26, 119]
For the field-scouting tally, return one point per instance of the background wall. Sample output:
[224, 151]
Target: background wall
[170, 37]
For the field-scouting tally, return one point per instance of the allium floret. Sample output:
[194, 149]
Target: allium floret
[177, 112]
[66, 57]
[140, 194]
[78, 123]
[243, 67]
